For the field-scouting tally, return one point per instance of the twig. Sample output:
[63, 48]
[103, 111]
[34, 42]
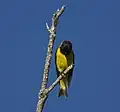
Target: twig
[52, 30]
[59, 78]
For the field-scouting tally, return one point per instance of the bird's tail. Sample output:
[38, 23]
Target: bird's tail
[63, 88]
[63, 92]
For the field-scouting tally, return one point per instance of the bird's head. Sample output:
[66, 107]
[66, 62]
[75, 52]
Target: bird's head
[66, 47]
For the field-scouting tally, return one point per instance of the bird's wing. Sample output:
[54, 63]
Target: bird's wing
[71, 71]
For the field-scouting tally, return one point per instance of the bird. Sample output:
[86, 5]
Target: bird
[64, 57]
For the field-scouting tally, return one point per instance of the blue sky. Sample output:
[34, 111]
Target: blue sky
[93, 26]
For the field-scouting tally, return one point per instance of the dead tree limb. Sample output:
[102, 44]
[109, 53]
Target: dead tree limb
[52, 30]
[59, 78]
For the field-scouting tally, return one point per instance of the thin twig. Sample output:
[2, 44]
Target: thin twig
[59, 78]
[52, 30]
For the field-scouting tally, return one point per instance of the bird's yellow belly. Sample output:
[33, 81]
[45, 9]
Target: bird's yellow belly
[62, 63]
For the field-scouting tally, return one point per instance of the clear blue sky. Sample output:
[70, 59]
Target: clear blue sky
[93, 26]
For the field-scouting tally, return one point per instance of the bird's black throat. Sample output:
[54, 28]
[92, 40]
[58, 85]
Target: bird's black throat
[66, 47]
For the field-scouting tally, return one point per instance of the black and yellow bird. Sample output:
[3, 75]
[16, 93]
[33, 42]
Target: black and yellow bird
[64, 57]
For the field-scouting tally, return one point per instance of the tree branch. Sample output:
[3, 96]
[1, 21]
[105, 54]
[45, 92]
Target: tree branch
[52, 30]
[59, 78]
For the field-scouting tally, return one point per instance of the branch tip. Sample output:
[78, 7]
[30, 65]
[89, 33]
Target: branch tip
[47, 26]
[63, 7]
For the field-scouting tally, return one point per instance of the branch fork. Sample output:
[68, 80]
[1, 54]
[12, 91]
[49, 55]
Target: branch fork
[44, 91]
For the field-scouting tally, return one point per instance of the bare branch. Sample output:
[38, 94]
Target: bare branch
[52, 30]
[47, 27]
[56, 16]
[59, 78]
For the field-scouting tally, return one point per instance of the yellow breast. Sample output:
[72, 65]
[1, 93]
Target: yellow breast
[61, 61]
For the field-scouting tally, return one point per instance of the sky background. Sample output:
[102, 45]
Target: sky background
[93, 26]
